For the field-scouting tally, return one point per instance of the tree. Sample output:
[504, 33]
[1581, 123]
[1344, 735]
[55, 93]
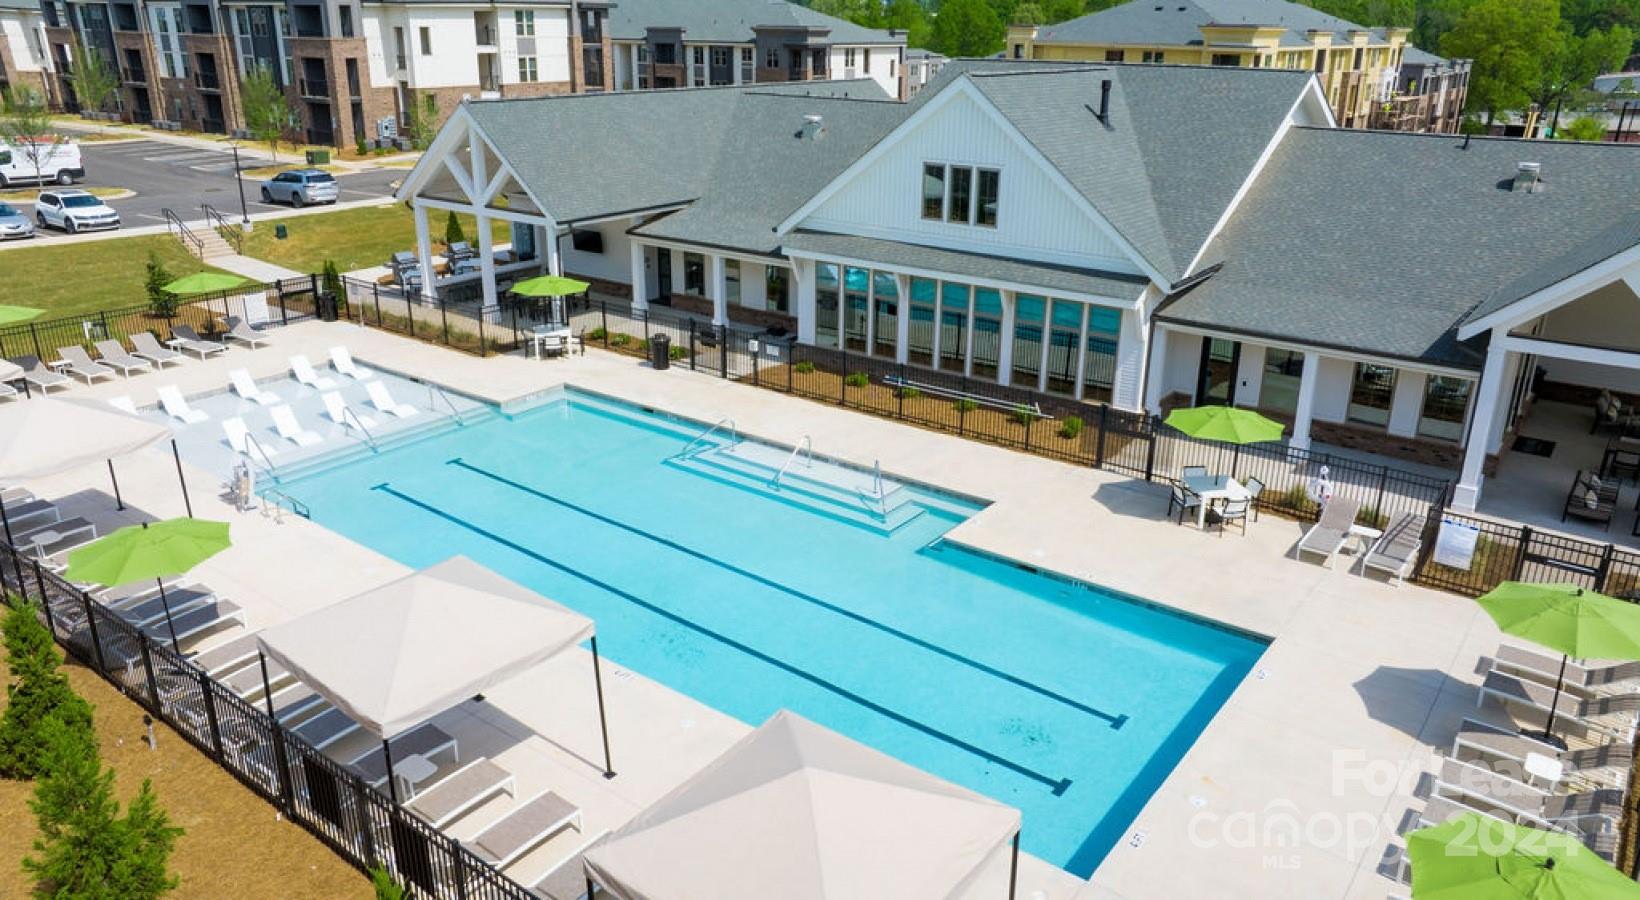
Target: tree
[910, 17]
[967, 28]
[147, 839]
[386, 887]
[1056, 11]
[452, 230]
[268, 113]
[422, 113]
[25, 125]
[94, 81]
[1582, 128]
[161, 302]
[1576, 61]
[1509, 42]
[39, 694]
[331, 278]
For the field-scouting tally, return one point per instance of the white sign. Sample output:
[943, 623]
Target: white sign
[387, 128]
[1455, 544]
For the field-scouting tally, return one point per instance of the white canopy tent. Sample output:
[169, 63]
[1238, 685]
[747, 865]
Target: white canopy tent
[798, 811]
[399, 654]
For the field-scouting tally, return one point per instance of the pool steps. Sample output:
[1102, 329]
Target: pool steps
[819, 486]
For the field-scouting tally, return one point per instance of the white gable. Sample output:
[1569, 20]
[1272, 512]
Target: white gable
[1037, 219]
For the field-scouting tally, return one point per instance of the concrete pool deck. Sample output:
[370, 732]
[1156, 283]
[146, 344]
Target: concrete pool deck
[1294, 789]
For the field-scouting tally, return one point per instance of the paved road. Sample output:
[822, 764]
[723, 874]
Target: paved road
[181, 178]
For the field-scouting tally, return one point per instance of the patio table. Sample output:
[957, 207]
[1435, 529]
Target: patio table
[413, 770]
[1211, 488]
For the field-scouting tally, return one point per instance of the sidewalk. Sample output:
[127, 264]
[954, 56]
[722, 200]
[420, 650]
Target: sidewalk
[256, 270]
[60, 240]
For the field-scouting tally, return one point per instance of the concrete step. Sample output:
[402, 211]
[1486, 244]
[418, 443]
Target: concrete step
[817, 496]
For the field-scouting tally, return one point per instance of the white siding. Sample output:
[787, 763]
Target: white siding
[1250, 375]
[378, 37]
[614, 264]
[1036, 219]
[1183, 358]
[1608, 317]
[15, 26]
[551, 45]
[1407, 403]
[1332, 389]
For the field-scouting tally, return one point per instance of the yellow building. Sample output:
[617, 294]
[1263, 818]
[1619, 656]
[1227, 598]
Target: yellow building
[1357, 66]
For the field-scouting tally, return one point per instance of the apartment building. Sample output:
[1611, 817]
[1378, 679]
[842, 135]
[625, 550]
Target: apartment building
[1429, 95]
[687, 43]
[23, 60]
[1358, 67]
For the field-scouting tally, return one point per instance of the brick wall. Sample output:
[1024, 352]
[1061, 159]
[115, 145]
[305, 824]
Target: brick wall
[233, 116]
[739, 315]
[611, 288]
[136, 40]
[534, 89]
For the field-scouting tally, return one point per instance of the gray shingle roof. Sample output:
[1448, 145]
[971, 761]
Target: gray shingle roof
[1414, 56]
[1048, 278]
[732, 21]
[1383, 242]
[1179, 22]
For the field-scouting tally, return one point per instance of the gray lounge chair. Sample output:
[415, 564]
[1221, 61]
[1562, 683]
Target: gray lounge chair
[240, 330]
[32, 513]
[1591, 815]
[189, 340]
[518, 832]
[425, 739]
[200, 619]
[39, 375]
[567, 880]
[326, 728]
[151, 608]
[148, 347]
[1614, 716]
[1579, 676]
[1327, 536]
[114, 355]
[81, 364]
[1396, 550]
[52, 542]
[457, 793]
[1602, 765]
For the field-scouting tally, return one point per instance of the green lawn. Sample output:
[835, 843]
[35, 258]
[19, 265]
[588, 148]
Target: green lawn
[67, 279]
[354, 238]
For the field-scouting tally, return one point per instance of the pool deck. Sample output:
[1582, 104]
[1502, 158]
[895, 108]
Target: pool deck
[1294, 789]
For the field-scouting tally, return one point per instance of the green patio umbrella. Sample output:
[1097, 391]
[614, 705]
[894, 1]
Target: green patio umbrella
[203, 283]
[549, 286]
[140, 552]
[1476, 857]
[1225, 423]
[1567, 618]
[11, 315]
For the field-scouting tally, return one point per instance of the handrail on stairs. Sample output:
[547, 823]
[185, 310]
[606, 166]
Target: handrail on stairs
[228, 230]
[175, 227]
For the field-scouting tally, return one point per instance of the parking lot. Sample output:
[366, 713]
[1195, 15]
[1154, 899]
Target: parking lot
[181, 178]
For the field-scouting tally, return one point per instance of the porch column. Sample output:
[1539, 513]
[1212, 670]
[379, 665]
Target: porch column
[640, 279]
[1306, 401]
[1047, 344]
[486, 259]
[720, 291]
[424, 252]
[1082, 349]
[902, 317]
[1489, 394]
[1156, 371]
[1005, 352]
[1128, 390]
[968, 335]
[803, 274]
[939, 326]
[555, 259]
[871, 311]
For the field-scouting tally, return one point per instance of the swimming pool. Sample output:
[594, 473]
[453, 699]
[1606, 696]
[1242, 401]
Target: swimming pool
[1066, 700]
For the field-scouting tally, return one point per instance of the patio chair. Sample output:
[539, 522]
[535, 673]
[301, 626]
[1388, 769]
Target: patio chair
[245, 386]
[81, 364]
[326, 728]
[1598, 680]
[38, 374]
[343, 362]
[302, 371]
[7, 392]
[1610, 414]
[1591, 499]
[148, 347]
[190, 341]
[150, 608]
[1232, 511]
[1255, 489]
[284, 422]
[382, 400]
[1612, 716]
[125, 404]
[1183, 499]
[457, 793]
[45, 511]
[342, 414]
[1193, 472]
[425, 739]
[1603, 765]
[176, 406]
[113, 354]
[1330, 532]
[240, 330]
[518, 832]
[1589, 814]
[240, 439]
[1396, 550]
[227, 657]
[567, 879]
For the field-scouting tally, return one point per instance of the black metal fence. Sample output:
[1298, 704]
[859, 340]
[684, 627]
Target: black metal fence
[356, 820]
[1520, 553]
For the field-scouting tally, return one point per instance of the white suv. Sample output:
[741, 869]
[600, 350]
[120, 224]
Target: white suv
[74, 211]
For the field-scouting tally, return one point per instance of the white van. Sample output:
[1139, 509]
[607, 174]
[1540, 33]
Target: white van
[61, 164]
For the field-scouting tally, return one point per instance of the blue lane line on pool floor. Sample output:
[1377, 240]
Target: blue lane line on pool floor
[1116, 721]
[1057, 785]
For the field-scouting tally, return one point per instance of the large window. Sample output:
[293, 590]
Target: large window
[987, 327]
[694, 274]
[1226, 59]
[933, 191]
[1371, 392]
[960, 193]
[920, 342]
[1029, 311]
[1064, 331]
[1099, 364]
[524, 22]
[856, 285]
[776, 285]
[953, 334]
[527, 70]
[1446, 400]
[827, 281]
[1283, 371]
[885, 295]
[731, 281]
[948, 193]
[985, 212]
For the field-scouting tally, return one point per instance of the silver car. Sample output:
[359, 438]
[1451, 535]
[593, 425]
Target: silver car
[13, 224]
[300, 187]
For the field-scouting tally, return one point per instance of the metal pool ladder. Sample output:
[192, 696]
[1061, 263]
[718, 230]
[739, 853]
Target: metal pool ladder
[434, 390]
[698, 444]
[806, 444]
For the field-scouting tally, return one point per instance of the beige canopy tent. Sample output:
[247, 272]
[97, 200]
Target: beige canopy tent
[397, 655]
[800, 812]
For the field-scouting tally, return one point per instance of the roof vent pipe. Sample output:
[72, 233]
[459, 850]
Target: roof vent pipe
[813, 127]
[1103, 115]
[1527, 177]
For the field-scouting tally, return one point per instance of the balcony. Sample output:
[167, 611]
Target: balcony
[399, 63]
[134, 75]
[207, 80]
[316, 88]
[485, 35]
[592, 67]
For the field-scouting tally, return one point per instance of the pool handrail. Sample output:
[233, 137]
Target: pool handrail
[807, 443]
[734, 435]
[455, 414]
[368, 437]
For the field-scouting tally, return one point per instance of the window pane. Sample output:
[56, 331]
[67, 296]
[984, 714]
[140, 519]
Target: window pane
[1283, 370]
[987, 332]
[825, 304]
[962, 188]
[855, 282]
[933, 198]
[694, 274]
[989, 180]
[953, 324]
[885, 297]
[1370, 394]
[731, 280]
[1066, 327]
[775, 281]
[920, 341]
[1446, 399]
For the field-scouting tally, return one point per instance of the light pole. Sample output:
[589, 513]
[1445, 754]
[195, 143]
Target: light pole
[239, 178]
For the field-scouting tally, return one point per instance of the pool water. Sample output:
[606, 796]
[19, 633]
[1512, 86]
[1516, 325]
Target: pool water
[1065, 700]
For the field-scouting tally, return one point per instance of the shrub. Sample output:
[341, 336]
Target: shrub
[1025, 415]
[39, 693]
[965, 405]
[596, 334]
[386, 887]
[857, 379]
[161, 302]
[676, 352]
[803, 368]
[1070, 427]
[619, 340]
[907, 393]
[361, 146]
[452, 230]
[331, 279]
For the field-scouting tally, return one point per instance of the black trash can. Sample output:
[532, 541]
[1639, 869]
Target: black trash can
[326, 307]
[660, 351]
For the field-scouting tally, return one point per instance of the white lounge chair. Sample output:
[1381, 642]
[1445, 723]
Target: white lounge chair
[1506, 750]
[503, 841]
[343, 363]
[284, 422]
[124, 404]
[188, 339]
[239, 438]
[80, 363]
[1329, 533]
[7, 392]
[341, 414]
[245, 386]
[148, 347]
[1614, 716]
[1396, 550]
[458, 792]
[1580, 677]
[176, 406]
[240, 330]
[382, 400]
[201, 619]
[302, 371]
[38, 374]
[113, 354]
[326, 728]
